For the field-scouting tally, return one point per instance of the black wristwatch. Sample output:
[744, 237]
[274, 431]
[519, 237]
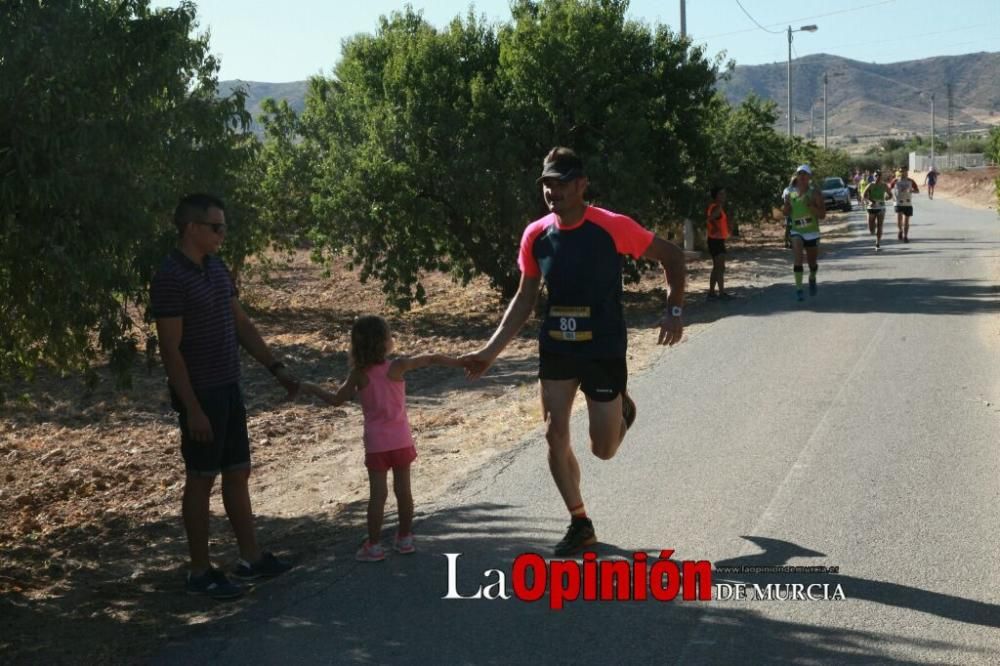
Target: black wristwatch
[274, 367]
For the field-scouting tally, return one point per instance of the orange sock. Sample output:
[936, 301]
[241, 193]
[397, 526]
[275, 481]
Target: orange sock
[577, 512]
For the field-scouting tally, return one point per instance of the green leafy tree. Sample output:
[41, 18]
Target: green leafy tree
[993, 151]
[110, 112]
[993, 144]
[429, 141]
[749, 158]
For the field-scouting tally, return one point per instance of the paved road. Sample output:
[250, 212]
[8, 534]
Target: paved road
[858, 430]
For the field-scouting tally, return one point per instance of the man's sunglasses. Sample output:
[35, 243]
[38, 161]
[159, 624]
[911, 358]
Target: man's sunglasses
[217, 227]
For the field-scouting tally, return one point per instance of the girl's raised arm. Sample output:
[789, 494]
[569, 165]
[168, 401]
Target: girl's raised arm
[400, 366]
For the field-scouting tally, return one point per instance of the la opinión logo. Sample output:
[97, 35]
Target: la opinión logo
[638, 579]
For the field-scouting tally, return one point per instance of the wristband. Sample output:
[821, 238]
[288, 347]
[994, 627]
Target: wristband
[274, 367]
[675, 311]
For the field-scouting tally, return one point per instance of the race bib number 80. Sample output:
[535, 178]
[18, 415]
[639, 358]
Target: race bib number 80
[569, 324]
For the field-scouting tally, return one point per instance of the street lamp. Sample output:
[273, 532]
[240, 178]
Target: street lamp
[824, 103]
[805, 28]
[933, 129]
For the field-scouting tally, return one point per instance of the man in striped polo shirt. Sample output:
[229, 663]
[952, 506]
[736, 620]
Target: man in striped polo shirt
[576, 249]
[200, 326]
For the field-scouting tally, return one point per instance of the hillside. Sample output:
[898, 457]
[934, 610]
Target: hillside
[258, 91]
[868, 98]
[865, 99]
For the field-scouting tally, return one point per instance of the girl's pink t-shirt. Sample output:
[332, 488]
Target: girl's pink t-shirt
[383, 403]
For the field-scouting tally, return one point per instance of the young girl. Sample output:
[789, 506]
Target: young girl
[378, 383]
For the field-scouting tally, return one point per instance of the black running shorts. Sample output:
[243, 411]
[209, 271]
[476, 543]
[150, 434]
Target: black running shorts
[601, 379]
[716, 246]
[229, 449]
[813, 242]
[905, 210]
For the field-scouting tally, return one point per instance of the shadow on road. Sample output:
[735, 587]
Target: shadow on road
[393, 612]
[777, 552]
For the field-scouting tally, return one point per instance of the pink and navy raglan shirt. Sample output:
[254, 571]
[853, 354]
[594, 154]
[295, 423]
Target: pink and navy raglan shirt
[581, 266]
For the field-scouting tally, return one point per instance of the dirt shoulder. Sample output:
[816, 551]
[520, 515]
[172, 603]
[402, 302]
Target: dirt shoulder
[91, 547]
[975, 188]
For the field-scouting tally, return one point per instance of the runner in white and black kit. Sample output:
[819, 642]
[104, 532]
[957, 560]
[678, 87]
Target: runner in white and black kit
[903, 189]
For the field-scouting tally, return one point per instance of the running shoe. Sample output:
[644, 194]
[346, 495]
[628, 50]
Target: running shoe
[404, 545]
[877, 246]
[579, 535]
[899, 235]
[800, 295]
[906, 239]
[812, 287]
[370, 552]
[712, 296]
[213, 583]
[628, 410]
[268, 566]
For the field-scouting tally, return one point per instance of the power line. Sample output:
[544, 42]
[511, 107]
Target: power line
[774, 32]
[795, 20]
[911, 37]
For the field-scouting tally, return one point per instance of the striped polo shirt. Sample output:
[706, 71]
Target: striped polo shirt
[202, 297]
[582, 268]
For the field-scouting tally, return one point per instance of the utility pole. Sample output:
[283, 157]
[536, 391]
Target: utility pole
[789, 73]
[688, 223]
[824, 110]
[932, 129]
[951, 116]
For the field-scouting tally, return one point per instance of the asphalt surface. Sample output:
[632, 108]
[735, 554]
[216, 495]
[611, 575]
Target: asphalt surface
[858, 430]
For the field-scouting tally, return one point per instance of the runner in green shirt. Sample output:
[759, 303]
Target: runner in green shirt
[875, 195]
[804, 205]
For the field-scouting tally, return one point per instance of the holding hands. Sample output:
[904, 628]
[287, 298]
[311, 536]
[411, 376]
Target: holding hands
[477, 363]
[287, 381]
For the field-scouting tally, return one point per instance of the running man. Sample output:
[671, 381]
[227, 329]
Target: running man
[930, 180]
[903, 189]
[875, 195]
[576, 250]
[804, 205]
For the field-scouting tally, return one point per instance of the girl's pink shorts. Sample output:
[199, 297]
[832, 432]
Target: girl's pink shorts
[382, 461]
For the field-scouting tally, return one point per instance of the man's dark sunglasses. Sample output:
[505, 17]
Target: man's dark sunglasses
[217, 227]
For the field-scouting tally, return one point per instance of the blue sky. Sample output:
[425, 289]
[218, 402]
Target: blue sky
[266, 40]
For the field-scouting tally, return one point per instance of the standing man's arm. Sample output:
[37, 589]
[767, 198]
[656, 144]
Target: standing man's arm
[169, 331]
[671, 258]
[520, 308]
[250, 339]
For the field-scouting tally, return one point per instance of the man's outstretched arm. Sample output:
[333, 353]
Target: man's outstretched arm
[517, 314]
[671, 258]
